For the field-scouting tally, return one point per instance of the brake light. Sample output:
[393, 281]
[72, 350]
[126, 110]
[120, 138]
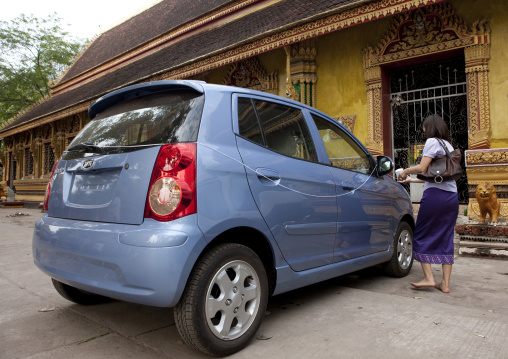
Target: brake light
[48, 187]
[172, 190]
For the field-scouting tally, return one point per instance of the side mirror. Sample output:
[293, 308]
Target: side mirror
[384, 165]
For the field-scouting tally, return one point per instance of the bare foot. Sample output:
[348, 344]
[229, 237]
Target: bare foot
[443, 288]
[423, 283]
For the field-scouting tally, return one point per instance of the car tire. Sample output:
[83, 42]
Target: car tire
[78, 296]
[402, 258]
[224, 301]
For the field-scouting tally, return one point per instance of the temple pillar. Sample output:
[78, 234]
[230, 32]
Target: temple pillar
[302, 71]
[477, 67]
[373, 81]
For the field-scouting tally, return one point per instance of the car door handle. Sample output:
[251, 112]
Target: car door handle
[268, 176]
[347, 187]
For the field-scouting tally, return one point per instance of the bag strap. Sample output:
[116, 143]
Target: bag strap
[441, 142]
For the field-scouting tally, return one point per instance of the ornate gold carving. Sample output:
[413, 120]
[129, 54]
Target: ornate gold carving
[424, 31]
[347, 121]
[309, 30]
[303, 70]
[250, 74]
[494, 174]
[290, 90]
[73, 110]
[351, 163]
[477, 58]
[374, 131]
[18, 157]
[372, 75]
[58, 143]
[497, 156]
[421, 32]
[436, 25]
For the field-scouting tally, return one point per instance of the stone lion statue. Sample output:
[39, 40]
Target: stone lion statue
[488, 202]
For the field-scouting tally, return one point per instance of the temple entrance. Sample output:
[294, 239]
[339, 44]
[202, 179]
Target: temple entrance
[420, 91]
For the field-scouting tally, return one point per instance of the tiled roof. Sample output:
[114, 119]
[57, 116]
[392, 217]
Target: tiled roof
[151, 23]
[252, 26]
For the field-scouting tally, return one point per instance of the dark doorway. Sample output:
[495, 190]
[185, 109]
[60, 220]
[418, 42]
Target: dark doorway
[420, 91]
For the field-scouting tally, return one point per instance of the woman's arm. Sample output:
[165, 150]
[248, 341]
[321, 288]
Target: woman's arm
[422, 167]
[410, 179]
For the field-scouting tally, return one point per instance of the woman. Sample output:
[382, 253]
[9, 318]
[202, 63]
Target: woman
[439, 208]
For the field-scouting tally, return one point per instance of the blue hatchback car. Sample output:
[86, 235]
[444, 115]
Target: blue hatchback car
[210, 199]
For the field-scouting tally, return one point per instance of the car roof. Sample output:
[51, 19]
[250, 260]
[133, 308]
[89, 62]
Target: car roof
[147, 88]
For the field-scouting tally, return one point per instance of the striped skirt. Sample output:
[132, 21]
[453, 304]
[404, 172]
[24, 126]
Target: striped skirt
[435, 226]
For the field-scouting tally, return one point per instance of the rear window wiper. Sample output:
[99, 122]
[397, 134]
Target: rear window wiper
[86, 146]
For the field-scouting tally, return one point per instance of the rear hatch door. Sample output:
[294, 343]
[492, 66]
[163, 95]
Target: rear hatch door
[108, 188]
[105, 172]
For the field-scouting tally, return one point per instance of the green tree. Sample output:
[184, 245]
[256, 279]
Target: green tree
[33, 52]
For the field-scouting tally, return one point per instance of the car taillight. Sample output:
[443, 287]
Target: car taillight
[48, 187]
[172, 190]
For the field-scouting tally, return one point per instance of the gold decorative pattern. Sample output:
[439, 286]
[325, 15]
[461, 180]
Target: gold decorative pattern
[309, 30]
[303, 70]
[497, 175]
[251, 75]
[374, 131]
[352, 163]
[477, 58]
[73, 110]
[347, 121]
[487, 157]
[430, 30]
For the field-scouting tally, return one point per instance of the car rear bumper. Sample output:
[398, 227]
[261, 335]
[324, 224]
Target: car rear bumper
[146, 264]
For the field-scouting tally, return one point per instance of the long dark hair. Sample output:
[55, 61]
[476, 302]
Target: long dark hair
[436, 127]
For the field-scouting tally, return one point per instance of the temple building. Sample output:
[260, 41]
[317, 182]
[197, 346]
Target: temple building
[378, 66]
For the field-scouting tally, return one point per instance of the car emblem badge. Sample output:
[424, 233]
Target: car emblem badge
[87, 164]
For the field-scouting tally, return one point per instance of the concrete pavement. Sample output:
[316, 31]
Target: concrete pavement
[362, 315]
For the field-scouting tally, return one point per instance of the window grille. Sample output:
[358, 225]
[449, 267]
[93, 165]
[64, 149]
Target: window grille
[49, 158]
[29, 162]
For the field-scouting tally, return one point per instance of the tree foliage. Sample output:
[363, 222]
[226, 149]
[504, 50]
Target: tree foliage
[33, 52]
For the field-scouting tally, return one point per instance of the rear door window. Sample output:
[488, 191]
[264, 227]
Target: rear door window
[248, 121]
[343, 152]
[283, 128]
[166, 117]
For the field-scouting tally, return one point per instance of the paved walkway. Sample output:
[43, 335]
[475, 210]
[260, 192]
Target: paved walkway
[362, 315]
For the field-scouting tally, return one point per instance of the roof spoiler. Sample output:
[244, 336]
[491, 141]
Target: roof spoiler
[147, 88]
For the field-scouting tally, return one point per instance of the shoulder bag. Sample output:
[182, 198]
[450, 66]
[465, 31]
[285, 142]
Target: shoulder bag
[444, 167]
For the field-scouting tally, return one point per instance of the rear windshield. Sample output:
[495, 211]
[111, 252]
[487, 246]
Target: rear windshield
[166, 117]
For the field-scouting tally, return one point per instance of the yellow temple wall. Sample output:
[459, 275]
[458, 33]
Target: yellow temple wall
[341, 87]
[216, 76]
[270, 61]
[497, 12]
[275, 61]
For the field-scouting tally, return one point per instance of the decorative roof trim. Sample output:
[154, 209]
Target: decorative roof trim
[343, 20]
[57, 115]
